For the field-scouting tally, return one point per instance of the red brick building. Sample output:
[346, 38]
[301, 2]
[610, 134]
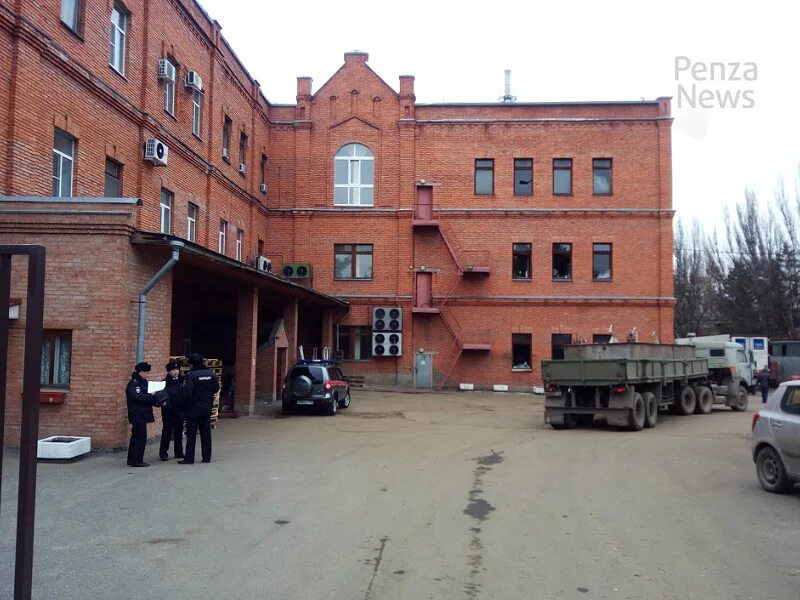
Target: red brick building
[502, 231]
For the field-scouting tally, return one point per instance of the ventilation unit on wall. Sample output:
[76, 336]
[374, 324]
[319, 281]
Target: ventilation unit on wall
[156, 152]
[296, 270]
[387, 344]
[263, 264]
[194, 81]
[387, 318]
[166, 70]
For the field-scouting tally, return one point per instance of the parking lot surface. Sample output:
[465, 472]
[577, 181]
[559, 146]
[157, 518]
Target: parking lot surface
[418, 496]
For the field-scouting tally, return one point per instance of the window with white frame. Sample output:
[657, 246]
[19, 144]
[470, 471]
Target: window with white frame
[166, 211]
[197, 112]
[63, 159]
[169, 93]
[191, 222]
[354, 176]
[70, 14]
[239, 243]
[223, 228]
[119, 32]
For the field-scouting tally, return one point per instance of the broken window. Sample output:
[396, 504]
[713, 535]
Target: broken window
[562, 261]
[601, 176]
[523, 177]
[601, 262]
[557, 343]
[562, 176]
[520, 261]
[521, 351]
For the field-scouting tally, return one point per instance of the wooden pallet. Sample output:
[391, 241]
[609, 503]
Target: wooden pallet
[355, 380]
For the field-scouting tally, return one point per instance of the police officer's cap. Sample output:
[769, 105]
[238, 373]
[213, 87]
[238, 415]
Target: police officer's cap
[172, 365]
[143, 367]
[196, 358]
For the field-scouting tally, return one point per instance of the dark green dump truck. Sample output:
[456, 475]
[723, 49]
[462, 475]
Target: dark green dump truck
[629, 383]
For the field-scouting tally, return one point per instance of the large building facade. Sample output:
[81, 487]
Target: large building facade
[502, 231]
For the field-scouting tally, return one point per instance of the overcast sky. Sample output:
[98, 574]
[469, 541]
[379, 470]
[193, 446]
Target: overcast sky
[560, 51]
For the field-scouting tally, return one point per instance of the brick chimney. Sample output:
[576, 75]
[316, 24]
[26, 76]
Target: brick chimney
[303, 98]
[355, 56]
[407, 97]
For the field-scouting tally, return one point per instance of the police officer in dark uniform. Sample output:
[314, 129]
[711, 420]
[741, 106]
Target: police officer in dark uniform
[140, 413]
[171, 419]
[198, 392]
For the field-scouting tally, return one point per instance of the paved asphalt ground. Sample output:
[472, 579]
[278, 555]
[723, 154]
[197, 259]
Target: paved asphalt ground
[418, 496]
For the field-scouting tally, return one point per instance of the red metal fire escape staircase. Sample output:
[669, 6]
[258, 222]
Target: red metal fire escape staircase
[468, 263]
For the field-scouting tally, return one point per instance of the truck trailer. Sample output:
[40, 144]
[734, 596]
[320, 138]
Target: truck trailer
[629, 383]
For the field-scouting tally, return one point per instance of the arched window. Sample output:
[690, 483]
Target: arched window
[354, 176]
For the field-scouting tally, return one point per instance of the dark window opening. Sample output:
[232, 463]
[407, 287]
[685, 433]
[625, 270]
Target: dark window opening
[523, 177]
[352, 261]
[56, 358]
[520, 261]
[557, 343]
[562, 176]
[113, 187]
[562, 261]
[355, 342]
[226, 138]
[242, 150]
[601, 176]
[717, 352]
[601, 262]
[484, 176]
[263, 172]
[601, 338]
[521, 351]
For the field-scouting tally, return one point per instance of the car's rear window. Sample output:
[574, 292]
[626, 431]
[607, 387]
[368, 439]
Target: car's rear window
[315, 374]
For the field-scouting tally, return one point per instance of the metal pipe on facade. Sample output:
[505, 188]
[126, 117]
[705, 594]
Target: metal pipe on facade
[176, 246]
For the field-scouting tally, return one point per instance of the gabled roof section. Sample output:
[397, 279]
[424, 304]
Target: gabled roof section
[353, 118]
[355, 57]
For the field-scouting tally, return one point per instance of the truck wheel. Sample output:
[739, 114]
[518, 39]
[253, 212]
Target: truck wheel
[771, 474]
[705, 400]
[638, 413]
[686, 401]
[650, 409]
[742, 400]
[569, 423]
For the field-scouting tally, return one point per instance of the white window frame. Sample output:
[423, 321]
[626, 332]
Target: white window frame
[64, 161]
[166, 211]
[239, 243]
[119, 32]
[169, 93]
[223, 227]
[197, 112]
[191, 222]
[354, 162]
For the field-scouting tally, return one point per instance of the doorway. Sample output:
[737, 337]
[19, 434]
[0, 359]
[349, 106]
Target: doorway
[423, 370]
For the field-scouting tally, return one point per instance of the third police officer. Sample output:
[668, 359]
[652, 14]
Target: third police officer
[198, 391]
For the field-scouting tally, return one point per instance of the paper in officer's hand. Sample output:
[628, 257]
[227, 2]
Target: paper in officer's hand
[155, 386]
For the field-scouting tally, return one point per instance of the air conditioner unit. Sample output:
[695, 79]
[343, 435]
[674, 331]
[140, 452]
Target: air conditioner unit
[194, 81]
[166, 70]
[387, 318]
[224, 153]
[263, 188]
[296, 271]
[156, 152]
[387, 344]
[242, 168]
[263, 264]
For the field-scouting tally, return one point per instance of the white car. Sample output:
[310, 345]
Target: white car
[776, 439]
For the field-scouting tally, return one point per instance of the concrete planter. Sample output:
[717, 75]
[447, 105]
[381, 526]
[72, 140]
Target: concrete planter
[63, 447]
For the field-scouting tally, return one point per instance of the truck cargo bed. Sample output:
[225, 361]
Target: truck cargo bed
[597, 371]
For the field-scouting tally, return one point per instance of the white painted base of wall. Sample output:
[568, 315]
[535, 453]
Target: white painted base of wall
[75, 446]
[466, 386]
[498, 387]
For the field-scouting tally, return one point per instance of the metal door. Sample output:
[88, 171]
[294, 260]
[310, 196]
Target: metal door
[423, 370]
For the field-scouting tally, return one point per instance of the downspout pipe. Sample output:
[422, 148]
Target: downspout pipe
[176, 246]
